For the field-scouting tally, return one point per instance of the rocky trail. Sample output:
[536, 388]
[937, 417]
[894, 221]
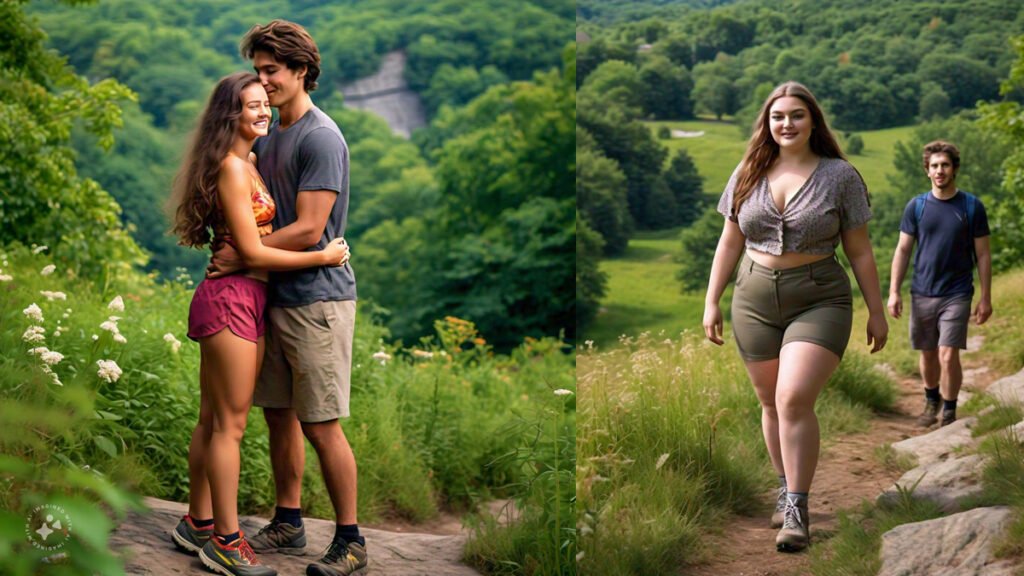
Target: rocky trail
[144, 540]
[850, 471]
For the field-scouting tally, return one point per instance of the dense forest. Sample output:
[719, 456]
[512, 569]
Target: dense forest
[872, 65]
[471, 218]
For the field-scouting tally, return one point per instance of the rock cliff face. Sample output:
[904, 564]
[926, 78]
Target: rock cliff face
[387, 95]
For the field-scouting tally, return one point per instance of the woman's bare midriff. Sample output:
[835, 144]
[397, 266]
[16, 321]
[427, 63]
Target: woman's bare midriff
[260, 275]
[785, 260]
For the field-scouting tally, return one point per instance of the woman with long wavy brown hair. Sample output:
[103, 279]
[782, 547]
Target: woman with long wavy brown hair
[219, 197]
[788, 205]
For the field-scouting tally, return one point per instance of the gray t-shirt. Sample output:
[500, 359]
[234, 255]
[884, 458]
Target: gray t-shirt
[833, 199]
[311, 154]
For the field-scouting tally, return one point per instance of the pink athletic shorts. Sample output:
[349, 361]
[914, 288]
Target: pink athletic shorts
[236, 302]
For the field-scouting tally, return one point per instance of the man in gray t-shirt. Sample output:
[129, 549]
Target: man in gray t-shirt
[304, 383]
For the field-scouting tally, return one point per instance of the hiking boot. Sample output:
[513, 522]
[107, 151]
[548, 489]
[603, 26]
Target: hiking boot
[780, 509]
[948, 417]
[341, 559]
[188, 537]
[279, 537]
[235, 559]
[795, 534]
[929, 415]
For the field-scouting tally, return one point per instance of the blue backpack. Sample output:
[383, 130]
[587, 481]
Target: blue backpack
[972, 202]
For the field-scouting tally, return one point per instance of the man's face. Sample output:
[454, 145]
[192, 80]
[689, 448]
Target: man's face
[941, 171]
[281, 82]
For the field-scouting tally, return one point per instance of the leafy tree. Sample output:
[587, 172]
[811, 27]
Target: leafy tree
[666, 90]
[590, 281]
[678, 48]
[699, 243]
[617, 83]
[601, 199]
[44, 200]
[965, 80]
[854, 145]
[715, 95]
[686, 186]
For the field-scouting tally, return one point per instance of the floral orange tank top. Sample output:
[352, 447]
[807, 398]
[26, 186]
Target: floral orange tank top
[263, 209]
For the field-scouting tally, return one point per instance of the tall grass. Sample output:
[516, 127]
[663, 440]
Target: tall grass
[431, 424]
[670, 443]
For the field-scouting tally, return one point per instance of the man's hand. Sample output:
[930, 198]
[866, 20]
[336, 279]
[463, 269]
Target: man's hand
[982, 311]
[895, 305]
[225, 260]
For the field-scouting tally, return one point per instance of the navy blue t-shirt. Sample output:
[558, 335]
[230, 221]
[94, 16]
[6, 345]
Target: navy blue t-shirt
[943, 260]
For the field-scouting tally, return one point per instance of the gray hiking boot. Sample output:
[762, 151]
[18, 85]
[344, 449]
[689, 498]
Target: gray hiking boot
[279, 537]
[780, 509]
[796, 527]
[930, 414]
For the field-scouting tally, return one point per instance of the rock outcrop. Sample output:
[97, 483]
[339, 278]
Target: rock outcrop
[387, 95]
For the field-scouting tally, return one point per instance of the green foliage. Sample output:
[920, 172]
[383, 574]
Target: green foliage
[1004, 119]
[685, 183]
[44, 200]
[854, 145]
[666, 90]
[699, 243]
[590, 281]
[601, 198]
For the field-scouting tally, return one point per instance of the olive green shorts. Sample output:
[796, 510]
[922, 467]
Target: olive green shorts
[771, 308]
[308, 360]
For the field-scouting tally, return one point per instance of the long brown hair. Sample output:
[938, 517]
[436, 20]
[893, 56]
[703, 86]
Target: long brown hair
[193, 202]
[288, 43]
[763, 150]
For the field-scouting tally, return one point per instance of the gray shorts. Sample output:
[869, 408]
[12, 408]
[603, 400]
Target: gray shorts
[939, 321]
[771, 308]
[307, 364]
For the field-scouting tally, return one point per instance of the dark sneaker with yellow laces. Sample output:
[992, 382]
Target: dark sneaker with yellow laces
[280, 537]
[341, 559]
[190, 538]
[235, 559]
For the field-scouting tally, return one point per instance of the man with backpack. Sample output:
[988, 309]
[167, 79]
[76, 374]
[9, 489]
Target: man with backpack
[950, 228]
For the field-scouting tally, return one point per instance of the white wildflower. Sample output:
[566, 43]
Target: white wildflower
[110, 326]
[382, 357]
[47, 270]
[51, 296]
[6, 277]
[113, 318]
[120, 339]
[562, 392]
[109, 370]
[117, 304]
[33, 312]
[422, 354]
[56, 379]
[95, 337]
[50, 357]
[661, 461]
[39, 350]
[38, 249]
[34, 334]
[579, 556]
[175, 344]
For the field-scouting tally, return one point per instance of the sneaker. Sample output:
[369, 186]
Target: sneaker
[795, 534]
[236, 559]
[780, 509]
[188, 537]
[929, 415]
[279, 537]
[341, 559]
[948, 417]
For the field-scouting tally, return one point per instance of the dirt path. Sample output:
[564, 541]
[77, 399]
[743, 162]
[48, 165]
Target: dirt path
[848, 473]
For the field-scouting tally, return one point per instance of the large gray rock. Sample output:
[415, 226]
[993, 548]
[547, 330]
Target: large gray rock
[957, 545]
[144, 540]
[938, 444]
[946, 482]
[1009, 390]
[387, 95]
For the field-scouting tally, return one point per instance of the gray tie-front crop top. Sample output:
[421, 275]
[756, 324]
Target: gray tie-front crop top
[833, 199]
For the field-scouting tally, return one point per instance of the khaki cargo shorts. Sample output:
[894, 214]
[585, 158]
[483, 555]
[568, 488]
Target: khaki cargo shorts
[771, 308]
[307, 363]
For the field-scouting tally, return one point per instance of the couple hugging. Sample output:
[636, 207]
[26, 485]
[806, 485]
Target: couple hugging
[275, 198]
